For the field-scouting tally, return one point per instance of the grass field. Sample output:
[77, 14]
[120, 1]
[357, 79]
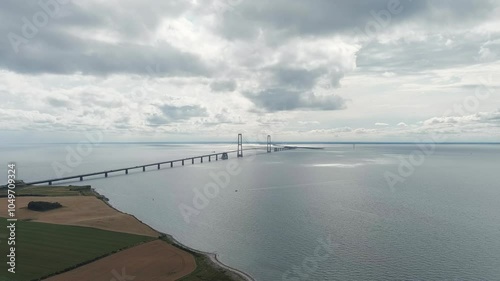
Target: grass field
[45, 249]
[37, 190]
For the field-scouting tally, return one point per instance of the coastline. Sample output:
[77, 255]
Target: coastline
[234, 273]
[83, 206]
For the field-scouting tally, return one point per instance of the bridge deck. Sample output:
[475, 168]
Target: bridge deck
[158, 165]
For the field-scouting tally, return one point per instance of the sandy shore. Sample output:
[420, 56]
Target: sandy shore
[235, 273]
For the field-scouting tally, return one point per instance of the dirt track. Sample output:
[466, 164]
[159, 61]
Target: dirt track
[82, 211]
[153, 261]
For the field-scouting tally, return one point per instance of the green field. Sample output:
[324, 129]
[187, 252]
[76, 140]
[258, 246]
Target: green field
[45, 249]
[37, 190]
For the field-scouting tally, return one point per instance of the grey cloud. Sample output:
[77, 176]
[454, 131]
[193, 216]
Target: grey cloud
[285, 18]
[129, 19]
[413, 57]
[290, 87]
[58, 102]
[157, 120]
[182, 112]
[56, 48]
[122, 122]
[97, 58]
[223, 86]
[99, 100]
[273, 100]
[316, 17]
[298, 78]
[225, 116]
[172, 113]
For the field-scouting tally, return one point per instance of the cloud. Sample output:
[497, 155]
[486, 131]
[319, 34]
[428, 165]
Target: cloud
[283, 19]
[332, 130]
[91, 39]
[56, 102]
[223, 86]
[204, 67]
[273, 100]
[363, 131]
[172, 113]
[492, 118]
[294, 77]
[308, 122]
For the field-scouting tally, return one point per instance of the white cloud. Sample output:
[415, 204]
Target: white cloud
[201, 69]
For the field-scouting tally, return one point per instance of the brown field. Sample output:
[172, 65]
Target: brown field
[153, 261]
[82, 211]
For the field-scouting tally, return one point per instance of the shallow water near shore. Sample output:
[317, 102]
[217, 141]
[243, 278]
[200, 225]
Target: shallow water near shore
[308, 214]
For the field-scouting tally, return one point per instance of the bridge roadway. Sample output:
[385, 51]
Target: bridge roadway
[158, 165]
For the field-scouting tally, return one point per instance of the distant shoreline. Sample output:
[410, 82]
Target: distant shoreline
[263, 143]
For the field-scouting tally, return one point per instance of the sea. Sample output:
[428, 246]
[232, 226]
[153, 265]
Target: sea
[412, 212]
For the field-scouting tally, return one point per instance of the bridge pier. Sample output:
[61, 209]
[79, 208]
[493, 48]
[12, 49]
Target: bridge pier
[158, 164]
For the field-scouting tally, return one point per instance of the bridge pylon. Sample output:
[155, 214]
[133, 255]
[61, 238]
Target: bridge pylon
[240, 145]
[268, 143]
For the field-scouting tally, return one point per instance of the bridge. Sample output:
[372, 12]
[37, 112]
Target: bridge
[170, 163]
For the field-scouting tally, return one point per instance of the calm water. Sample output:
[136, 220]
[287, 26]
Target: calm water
[310, 214]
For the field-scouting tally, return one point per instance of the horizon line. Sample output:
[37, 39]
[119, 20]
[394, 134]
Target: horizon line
[259, 142]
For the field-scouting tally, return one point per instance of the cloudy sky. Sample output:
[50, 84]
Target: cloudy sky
[199, 70]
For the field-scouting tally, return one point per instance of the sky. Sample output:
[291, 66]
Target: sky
[193, 70]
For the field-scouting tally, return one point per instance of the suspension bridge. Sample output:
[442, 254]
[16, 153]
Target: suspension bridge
[172, 163]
